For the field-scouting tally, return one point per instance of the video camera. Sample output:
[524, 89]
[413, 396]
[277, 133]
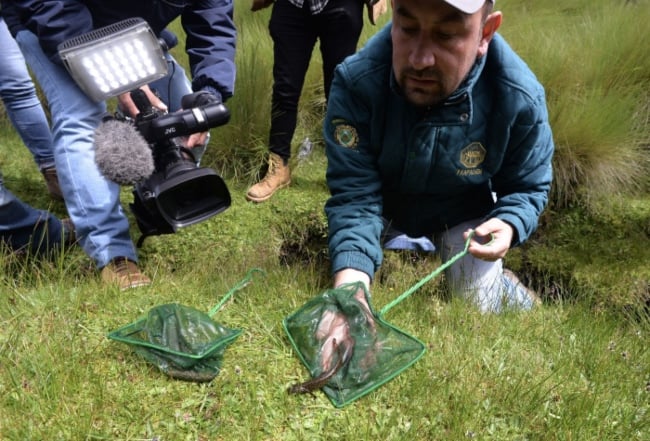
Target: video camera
[178, 193]
[122, 57]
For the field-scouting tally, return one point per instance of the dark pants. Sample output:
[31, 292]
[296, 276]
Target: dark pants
[294, 32]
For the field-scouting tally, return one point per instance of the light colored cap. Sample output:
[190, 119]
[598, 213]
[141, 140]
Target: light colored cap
[467, 6]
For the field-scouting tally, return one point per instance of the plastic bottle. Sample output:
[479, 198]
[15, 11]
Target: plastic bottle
[305, 149]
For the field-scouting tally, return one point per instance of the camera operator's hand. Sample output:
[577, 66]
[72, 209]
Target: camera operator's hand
[196, 140]
[198, 99]
[128, 107]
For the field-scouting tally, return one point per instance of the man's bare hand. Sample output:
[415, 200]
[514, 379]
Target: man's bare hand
[491, 240]
[127, 106]
[335, 327]
[195, 140]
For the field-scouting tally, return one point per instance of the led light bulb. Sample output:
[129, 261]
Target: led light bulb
[114, 59]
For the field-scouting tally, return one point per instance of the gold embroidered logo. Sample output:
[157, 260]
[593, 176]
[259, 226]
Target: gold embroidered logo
[346, 136]
[473, 155]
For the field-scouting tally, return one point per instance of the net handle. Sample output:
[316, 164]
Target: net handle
[433, 274]
[241, 284]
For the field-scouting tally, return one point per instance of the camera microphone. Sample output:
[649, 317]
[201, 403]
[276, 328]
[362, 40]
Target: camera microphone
[121, 153]
[169, 191]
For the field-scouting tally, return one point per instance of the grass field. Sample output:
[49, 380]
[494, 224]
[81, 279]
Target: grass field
[577, 368]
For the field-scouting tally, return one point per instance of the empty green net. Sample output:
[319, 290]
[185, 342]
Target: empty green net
[181, 341]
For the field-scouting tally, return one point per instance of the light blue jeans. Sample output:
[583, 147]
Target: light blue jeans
[174, 86]
[23, 106]
[93, 202]
[479, 281]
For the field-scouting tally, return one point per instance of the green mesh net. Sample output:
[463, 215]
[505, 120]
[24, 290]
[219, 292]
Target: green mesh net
[181, 341]
[378, 350]
[381, 351]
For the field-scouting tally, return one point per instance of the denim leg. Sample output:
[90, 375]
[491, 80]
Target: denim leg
[476, 280]
[174, 86]
[23, 107]
[294, 35]
[23, 226]
[93, 202]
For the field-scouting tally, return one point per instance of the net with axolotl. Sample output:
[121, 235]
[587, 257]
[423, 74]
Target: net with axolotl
[375, 352]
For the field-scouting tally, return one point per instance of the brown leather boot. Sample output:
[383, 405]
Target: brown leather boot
[124, 273]
[69, 232]
[278, 176]
[52, 182]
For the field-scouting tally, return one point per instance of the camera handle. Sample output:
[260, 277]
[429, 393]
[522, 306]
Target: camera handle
[204, 113]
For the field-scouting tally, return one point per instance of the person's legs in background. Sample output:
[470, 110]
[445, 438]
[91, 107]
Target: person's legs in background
[93, 202]
[295, 32]
[294, 36]
[339, 29]
[24, 228]
[24, 109]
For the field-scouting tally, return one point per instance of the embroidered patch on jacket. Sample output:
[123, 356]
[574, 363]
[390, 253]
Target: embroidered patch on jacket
[345, 135]
[472, 157]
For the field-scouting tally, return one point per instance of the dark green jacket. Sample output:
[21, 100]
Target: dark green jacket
[426, 170]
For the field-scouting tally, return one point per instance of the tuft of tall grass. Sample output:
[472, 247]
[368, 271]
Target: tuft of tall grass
[241, 145]
[593, 63]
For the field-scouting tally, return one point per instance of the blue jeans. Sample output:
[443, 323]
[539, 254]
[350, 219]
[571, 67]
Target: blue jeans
[23, 107]
[92, 201]
[23, 226]
[174, 86]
